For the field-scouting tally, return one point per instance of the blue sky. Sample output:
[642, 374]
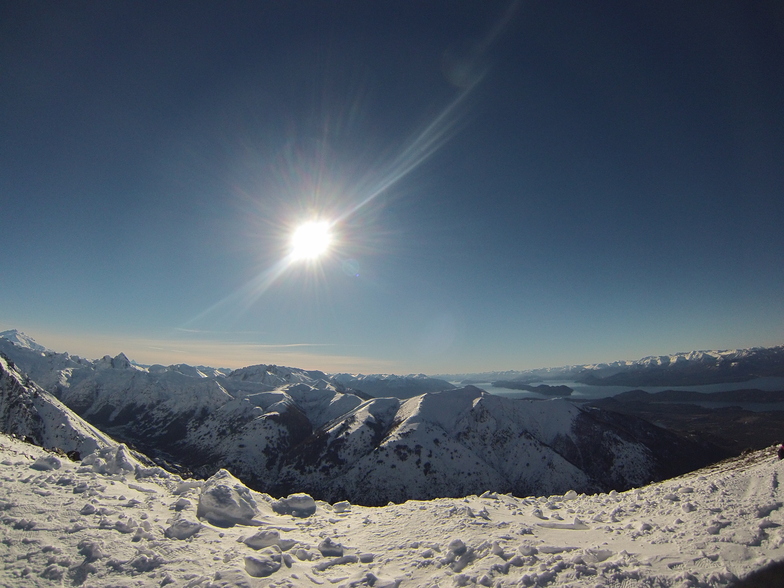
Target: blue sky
[511, 185]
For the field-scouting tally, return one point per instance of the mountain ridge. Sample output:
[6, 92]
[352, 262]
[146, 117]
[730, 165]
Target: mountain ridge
[283, 430]
[680, 369]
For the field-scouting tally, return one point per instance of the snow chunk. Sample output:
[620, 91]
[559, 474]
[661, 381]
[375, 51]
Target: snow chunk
[87, 509]
[263, 539]
[298, 505]
[182, 529]
[91, 550]
[329, 548]
[111, 460]
[187, 485]
[261, 566]
[527, 549]
[341, 507]
[46, 463]
[181, 504]
[338, 561]
[594, 556]
[764, 510]
[146, 562]
[225, 501]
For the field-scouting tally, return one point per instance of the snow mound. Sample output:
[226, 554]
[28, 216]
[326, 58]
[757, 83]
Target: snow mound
[46, 463]
[298, 505]
[225, 501]
[111, 460]
[183, 529]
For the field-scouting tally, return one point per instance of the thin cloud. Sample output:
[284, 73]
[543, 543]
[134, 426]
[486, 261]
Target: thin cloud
[214, 332]
[229, 354]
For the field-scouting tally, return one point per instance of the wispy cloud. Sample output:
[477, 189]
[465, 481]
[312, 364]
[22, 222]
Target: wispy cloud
[230, 338]
[215, 353]
[216, 332]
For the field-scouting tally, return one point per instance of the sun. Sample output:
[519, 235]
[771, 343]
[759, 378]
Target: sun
[310, 240]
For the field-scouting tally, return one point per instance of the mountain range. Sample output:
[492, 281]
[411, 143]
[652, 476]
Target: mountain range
[691, 368]
[284, 429]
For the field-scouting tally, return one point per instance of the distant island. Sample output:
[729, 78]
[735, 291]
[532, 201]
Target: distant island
[543, 389]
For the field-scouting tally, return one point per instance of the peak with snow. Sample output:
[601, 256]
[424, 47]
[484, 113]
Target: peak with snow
[119, 362]
[691, 368]
[28, 411]
[380, 385]
[273, 376]
[20, 339]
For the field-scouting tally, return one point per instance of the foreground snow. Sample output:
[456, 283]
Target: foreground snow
[108, 521]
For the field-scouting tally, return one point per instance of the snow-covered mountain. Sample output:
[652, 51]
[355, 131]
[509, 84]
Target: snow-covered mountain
[29, 412]
[49, 369]
[283, 430]
[190, 417]
[103, 523]
[462, 441]
[55, 371]
[21, 340]
[386, 385]
[680, 369]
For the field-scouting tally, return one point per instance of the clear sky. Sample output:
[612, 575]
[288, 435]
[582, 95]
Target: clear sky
[507, 185]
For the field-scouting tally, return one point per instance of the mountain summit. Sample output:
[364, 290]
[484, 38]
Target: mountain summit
[21, 340]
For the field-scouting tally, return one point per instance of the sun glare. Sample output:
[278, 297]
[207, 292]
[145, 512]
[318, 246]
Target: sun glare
[310, 240]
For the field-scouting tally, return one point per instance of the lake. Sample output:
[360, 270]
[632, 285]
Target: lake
[586, 392]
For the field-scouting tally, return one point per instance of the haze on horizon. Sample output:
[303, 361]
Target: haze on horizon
[502, 185]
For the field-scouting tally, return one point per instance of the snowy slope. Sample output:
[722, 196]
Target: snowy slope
[466, 441]
[28, 411]
[104, 522]
[252, 434]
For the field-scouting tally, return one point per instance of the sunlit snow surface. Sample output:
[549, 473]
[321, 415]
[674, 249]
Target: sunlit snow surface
[109, 521]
